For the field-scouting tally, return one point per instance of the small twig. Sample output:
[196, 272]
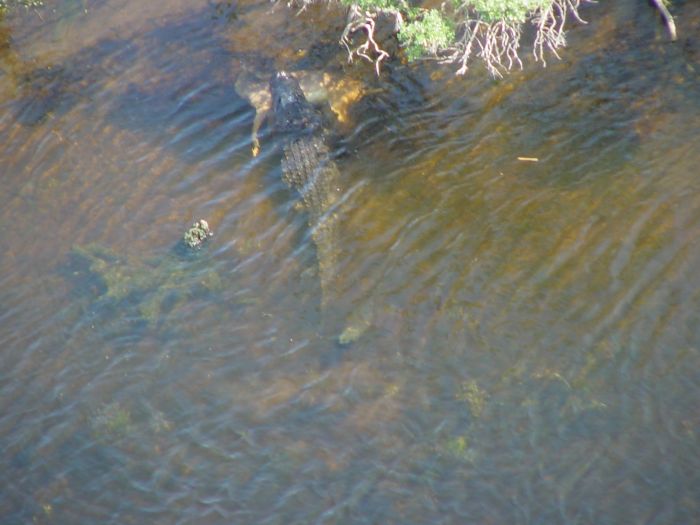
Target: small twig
[668, 18]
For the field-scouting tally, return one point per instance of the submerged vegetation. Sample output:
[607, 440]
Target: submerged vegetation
[155, 288]
[112, 421]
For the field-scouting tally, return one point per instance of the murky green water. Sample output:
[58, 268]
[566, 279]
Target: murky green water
[531, 345]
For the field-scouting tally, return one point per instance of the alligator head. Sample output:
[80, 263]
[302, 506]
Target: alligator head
[291, 110]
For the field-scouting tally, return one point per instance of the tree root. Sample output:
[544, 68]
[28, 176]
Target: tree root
[359, 20]
[498, 43]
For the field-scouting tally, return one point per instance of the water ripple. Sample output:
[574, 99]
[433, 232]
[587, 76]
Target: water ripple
[525, 328]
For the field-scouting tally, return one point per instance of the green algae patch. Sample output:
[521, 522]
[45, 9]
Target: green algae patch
[475, 397]
[111, 422]
[458, 448]
[116, 276]
[156, 288]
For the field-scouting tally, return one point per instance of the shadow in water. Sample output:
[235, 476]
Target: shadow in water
[55, 89]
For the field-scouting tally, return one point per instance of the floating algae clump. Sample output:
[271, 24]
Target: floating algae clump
[197, 234]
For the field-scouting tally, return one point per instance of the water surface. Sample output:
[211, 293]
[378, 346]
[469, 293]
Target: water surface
[532, 343]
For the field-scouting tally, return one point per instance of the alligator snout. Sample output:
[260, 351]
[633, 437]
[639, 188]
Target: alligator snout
[292, 112]
[285, 91]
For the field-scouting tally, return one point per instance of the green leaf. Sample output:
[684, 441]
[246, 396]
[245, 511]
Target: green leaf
[426, 35]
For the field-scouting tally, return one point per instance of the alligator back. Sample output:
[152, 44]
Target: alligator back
[308, 167]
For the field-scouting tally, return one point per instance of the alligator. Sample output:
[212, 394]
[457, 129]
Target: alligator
[319, 87]
[308, 167]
